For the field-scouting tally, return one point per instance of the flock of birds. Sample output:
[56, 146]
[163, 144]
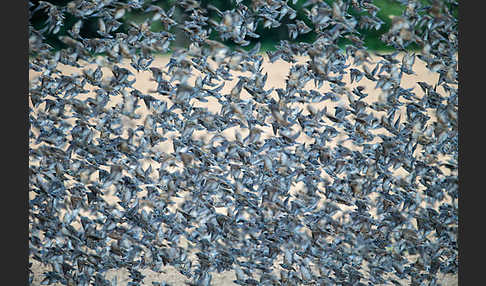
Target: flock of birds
[271, 207]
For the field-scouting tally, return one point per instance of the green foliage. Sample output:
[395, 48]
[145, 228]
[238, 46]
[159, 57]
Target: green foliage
[269, 38]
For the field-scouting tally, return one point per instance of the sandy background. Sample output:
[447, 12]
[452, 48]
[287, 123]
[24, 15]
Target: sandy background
[277, 74]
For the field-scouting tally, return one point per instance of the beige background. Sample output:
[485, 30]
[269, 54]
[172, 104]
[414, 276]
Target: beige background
[277, 74]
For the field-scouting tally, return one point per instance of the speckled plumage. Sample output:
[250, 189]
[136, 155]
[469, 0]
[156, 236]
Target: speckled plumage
[353, 221]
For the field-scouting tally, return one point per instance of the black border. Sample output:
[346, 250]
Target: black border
[471, 124]
[15, 112]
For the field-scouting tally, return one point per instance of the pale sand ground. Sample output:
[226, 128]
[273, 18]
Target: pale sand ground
[277, 74]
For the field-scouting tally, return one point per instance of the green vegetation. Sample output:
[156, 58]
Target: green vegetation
[269, 37]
